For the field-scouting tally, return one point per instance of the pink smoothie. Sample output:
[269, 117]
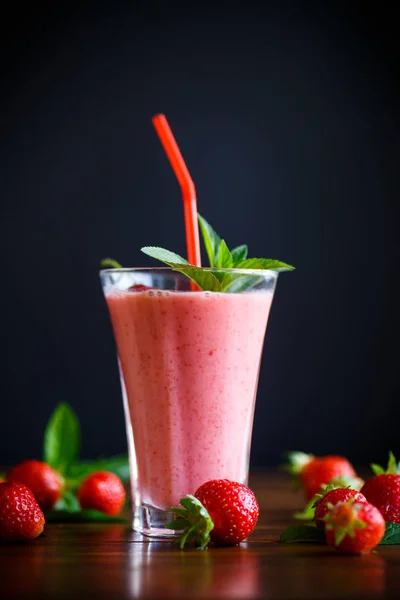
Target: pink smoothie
[190, 362]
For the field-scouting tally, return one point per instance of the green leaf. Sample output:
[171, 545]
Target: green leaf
[163, 255]
[211, 240]
[224, 258]
[206, 280]
[303, 534]
[235, 283]
[82, 516]
[239, 253]
[116, 464]
[110, 263]
[309, 510]
[68, 502]
[377, 469]
[195, 521]
[61, 439]
[392, 466]
[296, 461]
[269, 264]
[392, 534]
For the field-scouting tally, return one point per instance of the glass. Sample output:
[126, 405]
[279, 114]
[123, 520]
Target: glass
[189, 364]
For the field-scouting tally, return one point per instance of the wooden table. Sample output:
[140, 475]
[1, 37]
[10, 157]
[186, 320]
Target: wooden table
[108, 561]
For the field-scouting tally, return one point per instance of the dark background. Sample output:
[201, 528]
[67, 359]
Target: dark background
[288, 116]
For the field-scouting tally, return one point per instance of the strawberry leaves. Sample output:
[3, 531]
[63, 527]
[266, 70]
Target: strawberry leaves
[393, 467]
[195, 521]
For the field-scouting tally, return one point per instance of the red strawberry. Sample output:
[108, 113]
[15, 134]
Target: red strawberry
[354, 527]
[102, 491]
[44, 482]
[315, 472]
[139, 287]
[221, 510]
[332, 497]
[20, 514]
[383, 490]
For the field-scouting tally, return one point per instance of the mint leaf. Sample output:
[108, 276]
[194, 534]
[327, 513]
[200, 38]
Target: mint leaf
[234, 283]
[303, 533]
[211, 240]
[392, 534]
[61, 439]
[68, 502]
[110, 263]
[224, 258]
[239, 253]
[206, 280]
[81, 516]
[163, 255]
[116, 464]
[269, 264]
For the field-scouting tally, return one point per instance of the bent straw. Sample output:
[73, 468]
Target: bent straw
[187, 186]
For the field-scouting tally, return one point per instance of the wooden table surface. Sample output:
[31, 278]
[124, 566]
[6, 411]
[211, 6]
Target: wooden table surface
[108, 561]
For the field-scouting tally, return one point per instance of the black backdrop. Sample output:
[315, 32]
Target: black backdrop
[288, 116]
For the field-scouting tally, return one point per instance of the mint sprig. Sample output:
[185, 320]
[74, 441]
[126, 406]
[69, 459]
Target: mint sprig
[220, 257]
[61, 439]
[61, 451]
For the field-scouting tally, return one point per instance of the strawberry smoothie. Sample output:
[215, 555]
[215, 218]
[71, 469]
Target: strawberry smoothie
[190, 363]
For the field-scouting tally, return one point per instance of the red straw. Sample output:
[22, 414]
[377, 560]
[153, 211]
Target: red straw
[187, 186]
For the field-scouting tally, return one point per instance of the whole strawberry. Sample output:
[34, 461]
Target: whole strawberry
[315, 472]
[383, 490]
[222, 511]
[102, 491]
[331, 497]
[20, 515]
[354, 527]
[44, 482]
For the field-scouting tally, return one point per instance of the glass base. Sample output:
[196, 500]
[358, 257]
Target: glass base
[152, 522]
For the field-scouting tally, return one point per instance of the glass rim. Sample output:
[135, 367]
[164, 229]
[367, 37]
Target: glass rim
[170, 270]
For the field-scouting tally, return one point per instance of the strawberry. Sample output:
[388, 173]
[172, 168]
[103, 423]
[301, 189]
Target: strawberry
[383, 490]
[353, 527]
[331, 496]
[102, 491]
[315, 472]
[139, 287]
[222, 511]
[20, 515]
[44, 482]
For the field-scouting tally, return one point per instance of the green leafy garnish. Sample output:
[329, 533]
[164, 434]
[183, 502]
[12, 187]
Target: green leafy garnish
[61, 452]
[303, 533]
[392, 534]
[220, 257]
[211, 240]
[393, 467]
[195, 521]
[62, 439]
[308, 533]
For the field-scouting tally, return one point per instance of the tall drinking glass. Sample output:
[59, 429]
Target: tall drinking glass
[189, 364]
